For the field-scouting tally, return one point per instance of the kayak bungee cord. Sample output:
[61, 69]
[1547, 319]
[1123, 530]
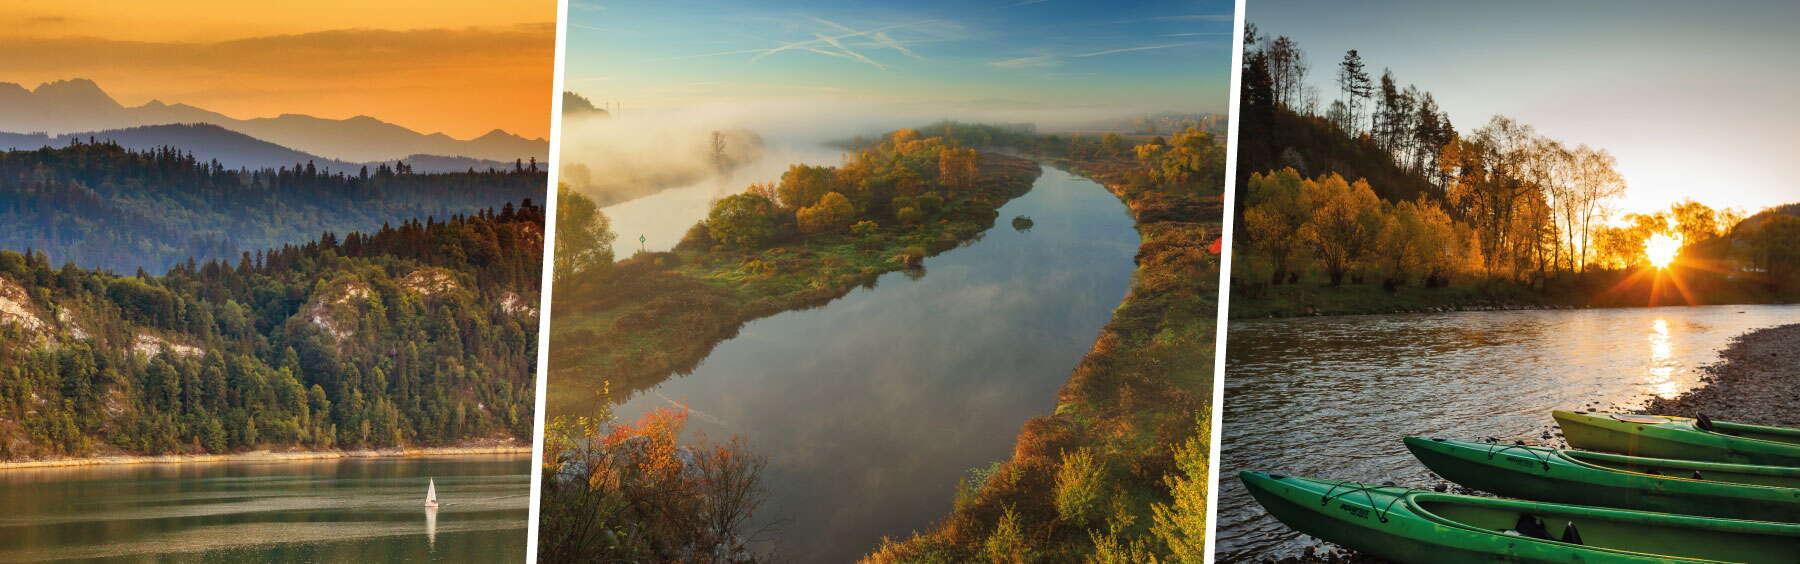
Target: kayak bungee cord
[1354, 487]
[1542, 459]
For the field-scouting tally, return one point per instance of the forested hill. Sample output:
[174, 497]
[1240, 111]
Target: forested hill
[1313, 146]
[420, 334]
[101, 205]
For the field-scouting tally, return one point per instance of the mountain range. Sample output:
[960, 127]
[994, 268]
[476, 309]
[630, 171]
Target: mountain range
[235, 150]
[80, 105]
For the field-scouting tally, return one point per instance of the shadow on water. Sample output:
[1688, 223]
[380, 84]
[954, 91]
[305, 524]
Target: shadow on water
[1332, 396]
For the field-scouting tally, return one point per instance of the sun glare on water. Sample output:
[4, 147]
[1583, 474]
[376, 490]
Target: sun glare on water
[1661, 249]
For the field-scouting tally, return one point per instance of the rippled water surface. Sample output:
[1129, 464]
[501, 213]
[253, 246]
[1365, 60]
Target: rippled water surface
[346, 510]
[1332, 396]
[871, 407]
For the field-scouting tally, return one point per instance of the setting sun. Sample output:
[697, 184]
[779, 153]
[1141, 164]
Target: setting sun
[1661, 249]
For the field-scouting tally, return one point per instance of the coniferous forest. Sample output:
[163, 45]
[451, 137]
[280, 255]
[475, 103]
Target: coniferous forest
[420, 333]
[100, 205]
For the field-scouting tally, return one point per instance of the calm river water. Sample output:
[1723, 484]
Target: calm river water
[1332, 396]
[871, 407]
[344, 510]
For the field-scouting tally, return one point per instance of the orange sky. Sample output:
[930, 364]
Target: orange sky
[461, 67]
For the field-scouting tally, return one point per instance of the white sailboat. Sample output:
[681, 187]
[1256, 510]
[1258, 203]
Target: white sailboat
[431, 493]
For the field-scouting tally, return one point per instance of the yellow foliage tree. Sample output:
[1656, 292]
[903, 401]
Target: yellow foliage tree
[1181, 523]
[1272, 217]
[1346, 220]
[832, 213]
[957, 167]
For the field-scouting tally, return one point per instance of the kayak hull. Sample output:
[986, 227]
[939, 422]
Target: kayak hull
[1416, 526]
[1673, 437]
[1543, 474]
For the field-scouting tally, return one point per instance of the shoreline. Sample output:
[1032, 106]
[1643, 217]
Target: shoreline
[263, 456]
[1158, 344]
[1491, 308]
[1757, 380]
[1319, 301]
[716, 292]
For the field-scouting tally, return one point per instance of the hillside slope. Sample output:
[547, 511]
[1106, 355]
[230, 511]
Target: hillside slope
[105, 206]
[421, 334]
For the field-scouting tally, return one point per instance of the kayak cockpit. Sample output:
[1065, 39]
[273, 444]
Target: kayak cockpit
[1746, 474]
[1758, 432]
[1637, 532]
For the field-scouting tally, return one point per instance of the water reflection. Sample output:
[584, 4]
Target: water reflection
[344, 510]
[1332, 396]
[431, 526]
[871, 407]
[1662, 365]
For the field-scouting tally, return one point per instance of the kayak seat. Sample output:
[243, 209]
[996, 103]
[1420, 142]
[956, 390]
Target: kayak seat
[1571, 535]
[1530, 526]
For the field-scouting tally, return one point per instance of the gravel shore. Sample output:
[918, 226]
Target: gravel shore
[1757, 381]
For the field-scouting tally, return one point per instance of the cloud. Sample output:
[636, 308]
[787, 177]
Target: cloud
[1225, 18]
[834, 41]
[460, 81]
[1036, 62]
[1135, 49]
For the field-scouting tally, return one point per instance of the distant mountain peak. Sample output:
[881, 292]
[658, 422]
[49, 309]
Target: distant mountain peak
[79, 104]
[75, 90]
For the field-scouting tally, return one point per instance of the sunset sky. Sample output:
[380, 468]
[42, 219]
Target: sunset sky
[1045, 54]
[462, 67]
[1695, 101]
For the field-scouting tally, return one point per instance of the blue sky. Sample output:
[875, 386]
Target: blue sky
[1697, 100]
[1142, 56]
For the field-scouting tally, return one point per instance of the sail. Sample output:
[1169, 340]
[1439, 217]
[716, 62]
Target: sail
[431, 492]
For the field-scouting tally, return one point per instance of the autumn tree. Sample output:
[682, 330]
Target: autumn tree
[1273, 216]
[1695, 222]
[803, 185]
[958, 167]
[1597, 180]
[1346, 220]
[748, 220]
[832, 213]
[584, 237]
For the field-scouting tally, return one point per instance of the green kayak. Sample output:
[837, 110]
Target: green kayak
[1714, 489]
[1658, 436]
[1407, 525]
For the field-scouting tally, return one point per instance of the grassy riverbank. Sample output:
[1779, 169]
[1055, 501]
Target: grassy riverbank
[656, 314]
[1131, 403]
[1600, 289]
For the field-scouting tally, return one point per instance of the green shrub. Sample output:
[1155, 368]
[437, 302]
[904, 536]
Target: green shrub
[1080, 487]
[1007, 542]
